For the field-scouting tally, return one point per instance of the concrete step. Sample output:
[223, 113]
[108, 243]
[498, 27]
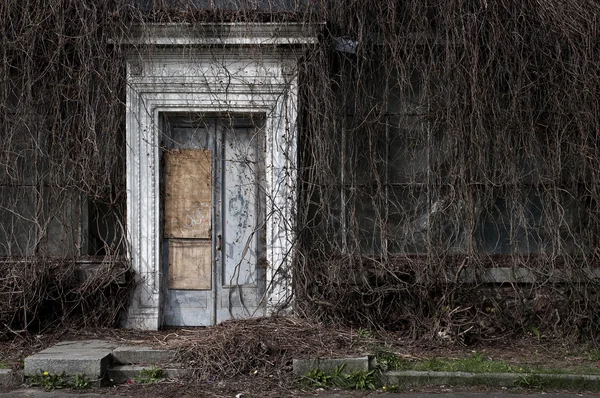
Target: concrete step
[92, 359]
[89, 358]
[125, 373]
[133, 355]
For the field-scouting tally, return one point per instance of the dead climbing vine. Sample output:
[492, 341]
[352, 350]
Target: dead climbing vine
[42, 295]
[438, 140]
[441, 142]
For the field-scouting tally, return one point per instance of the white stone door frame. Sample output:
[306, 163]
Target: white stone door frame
[251, 70]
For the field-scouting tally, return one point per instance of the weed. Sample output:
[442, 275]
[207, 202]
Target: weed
[81, 382]
[531, 381]
[3, 365]
[49, 382]
[388, 361]
[477, 363]
[593, 355]
[364, 333]
[317, 378]
[357, 380]
[151, 375]
[536, 333]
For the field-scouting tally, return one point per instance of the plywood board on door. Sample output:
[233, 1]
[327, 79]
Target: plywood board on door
[190, 264]
[188, 194]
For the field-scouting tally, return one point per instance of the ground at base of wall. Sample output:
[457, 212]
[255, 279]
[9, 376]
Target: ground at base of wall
[246, 357]
[249, 388]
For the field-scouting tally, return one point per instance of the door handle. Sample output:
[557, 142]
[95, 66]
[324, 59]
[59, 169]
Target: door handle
[218, 243]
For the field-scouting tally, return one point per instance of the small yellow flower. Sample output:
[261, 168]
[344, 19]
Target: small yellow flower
[384, 387]
[256, 371]
[46, 373]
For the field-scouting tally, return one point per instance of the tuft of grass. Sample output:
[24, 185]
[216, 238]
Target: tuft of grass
[49, 382]
[388, 361]
[530, 381]
[317, 378]
[475, 363]
[364, 333]
[81, 382]
[593, 355]
[357, 380]
[151, 375]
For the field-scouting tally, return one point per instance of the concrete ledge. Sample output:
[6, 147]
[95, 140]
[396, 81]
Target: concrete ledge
[129, 355]
[526, 380]
[416, 378]
[88, 270]
[498, 275]
[224, 34]
[122, 374]
[9, 377]
[327, 365]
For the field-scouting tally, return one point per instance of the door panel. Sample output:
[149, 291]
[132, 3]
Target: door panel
[213, 220]
[241, 228]
[188, 183]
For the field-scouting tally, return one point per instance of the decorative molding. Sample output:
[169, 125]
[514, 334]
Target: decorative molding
[203, 80]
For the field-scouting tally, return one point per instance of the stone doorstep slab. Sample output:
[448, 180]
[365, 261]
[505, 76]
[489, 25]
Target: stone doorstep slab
[129, 355]
[87, 357]
[330, 365]
[429, 378]
[124, 373]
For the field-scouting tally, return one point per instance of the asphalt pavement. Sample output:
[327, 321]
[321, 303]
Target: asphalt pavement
[36, 393]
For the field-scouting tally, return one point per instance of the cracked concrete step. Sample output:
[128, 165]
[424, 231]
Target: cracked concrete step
[90, 358]
[131, 355]
[124, 373]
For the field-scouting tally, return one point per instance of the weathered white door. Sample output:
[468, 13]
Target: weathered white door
[213, 202]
